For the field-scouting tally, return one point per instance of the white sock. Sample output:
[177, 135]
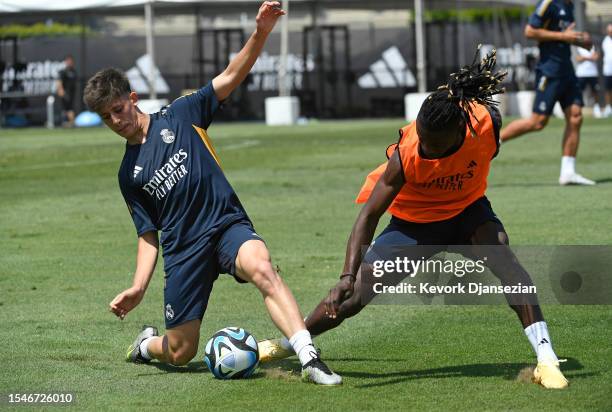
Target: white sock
[538, 336]
[144, 348]
[284, 342]
[568, 165]
[303, 347]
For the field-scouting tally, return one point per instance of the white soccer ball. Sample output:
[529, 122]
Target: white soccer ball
[231, 353]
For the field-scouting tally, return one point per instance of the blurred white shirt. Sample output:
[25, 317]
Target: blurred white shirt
[586, 68]
[606, 47]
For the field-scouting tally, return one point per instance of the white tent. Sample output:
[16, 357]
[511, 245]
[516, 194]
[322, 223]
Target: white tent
[42, 6]
[21, 6]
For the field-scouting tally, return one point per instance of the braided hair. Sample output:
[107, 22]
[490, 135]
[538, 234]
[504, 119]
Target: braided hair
[451, 105]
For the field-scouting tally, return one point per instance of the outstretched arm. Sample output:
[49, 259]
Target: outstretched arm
[569, 35]
[146, 259]
[386, 189]
[241, 65]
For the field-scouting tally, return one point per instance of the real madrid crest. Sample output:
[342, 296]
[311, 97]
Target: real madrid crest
[167, 135]
[169, 312]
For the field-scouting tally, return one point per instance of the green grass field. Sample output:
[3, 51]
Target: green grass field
[68, 247]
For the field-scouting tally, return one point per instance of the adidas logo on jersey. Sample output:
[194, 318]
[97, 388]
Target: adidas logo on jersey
[137, 170]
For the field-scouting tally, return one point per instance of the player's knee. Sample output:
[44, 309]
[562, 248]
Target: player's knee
[265, 278]
[500, 258]
[490, 234]
[539, 123]
[351, 309]
[182, 355]
[575, 119]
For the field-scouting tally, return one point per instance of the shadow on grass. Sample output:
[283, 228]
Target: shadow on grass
[508, 371]
[289, 369]
[291, 364]
[192, 367]
[286, 369]
[545, 184]
[528, 184]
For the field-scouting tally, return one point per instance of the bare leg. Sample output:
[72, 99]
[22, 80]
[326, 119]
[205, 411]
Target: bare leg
[522, 126]
[506, 267]
[571, 136]
[318, 321]
[253, 264]
[70, 116]
[596, 96]
[178, 346]
[504, 264]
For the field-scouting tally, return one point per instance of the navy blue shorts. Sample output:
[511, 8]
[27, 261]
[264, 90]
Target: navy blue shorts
[550, 90]
[187, 286]
[455, 231]
[608, 83]
[592, 82]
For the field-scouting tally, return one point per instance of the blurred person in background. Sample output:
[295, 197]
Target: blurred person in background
[66, 89]
[606, 48]
[588, 75]
[552, 26]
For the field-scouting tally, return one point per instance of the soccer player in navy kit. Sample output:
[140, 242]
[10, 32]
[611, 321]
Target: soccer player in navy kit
[172, 183]
[552, 26]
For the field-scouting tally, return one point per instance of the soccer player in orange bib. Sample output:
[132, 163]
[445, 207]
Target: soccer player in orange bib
[433, 184]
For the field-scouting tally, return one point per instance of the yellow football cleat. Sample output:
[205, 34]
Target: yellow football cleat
[271, 350]
[549, 375]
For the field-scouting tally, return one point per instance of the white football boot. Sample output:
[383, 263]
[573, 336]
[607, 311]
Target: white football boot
[574, 179]
[317, 371]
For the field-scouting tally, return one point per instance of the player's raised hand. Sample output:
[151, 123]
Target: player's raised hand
[341, 292]
[126, 301]
[268, 14]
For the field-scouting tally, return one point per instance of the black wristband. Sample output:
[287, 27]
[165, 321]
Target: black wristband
[348, 275]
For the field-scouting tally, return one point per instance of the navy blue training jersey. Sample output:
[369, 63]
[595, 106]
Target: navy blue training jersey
[555, 56]
[172, 183]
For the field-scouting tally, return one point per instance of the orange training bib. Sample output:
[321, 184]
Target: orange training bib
[439, 189]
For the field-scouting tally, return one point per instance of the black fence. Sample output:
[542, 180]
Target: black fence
[337, 71]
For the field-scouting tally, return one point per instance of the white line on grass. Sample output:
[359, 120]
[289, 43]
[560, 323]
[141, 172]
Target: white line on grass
[61, 165]
[241, 145]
